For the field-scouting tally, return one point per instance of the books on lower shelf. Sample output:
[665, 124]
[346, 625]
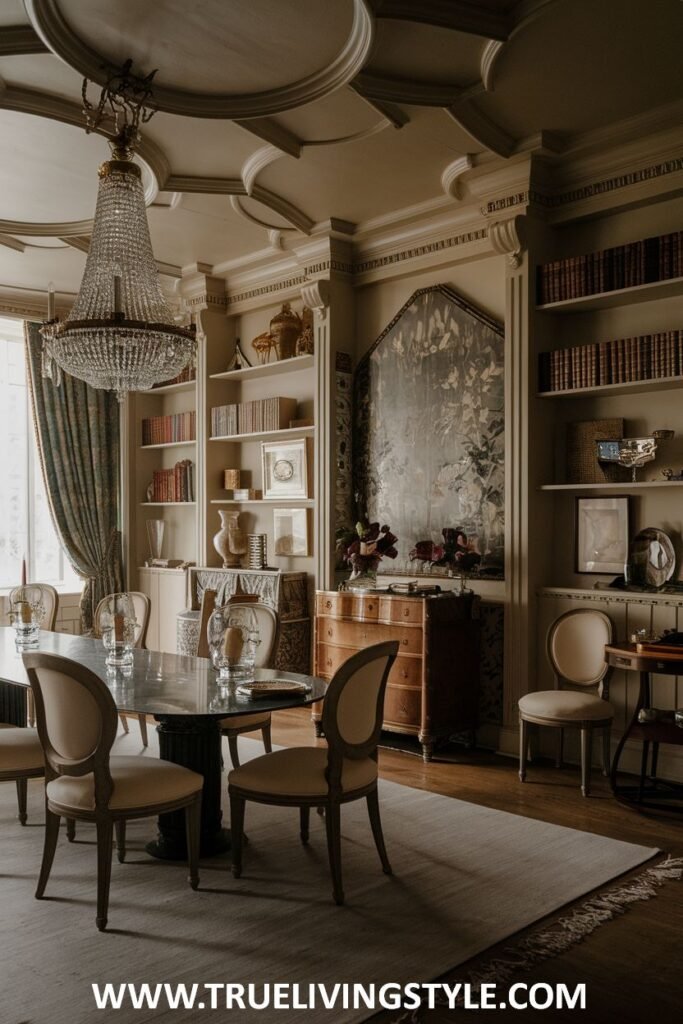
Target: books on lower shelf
[180, 426]
[175, 484]
[624, 361]
[621, 266]
[252, 417]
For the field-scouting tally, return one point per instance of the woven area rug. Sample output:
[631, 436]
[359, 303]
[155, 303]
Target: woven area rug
[466, 877]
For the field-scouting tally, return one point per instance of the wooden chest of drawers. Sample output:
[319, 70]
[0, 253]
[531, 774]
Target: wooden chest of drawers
[434, 684]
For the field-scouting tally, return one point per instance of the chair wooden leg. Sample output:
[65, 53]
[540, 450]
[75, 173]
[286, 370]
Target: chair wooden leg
[586, 755]
[124, 723]
[30, 710]
[267, 741]
[49, 847]
[142, 719]
[105, 843]
[655, 757]
[376, 825]
[22, 796]
[333, 826]
[236, 832]
[304, 820]
[523, 741]
[120, 827]
[192, 835]
[70, 829]
[559, 757]
[606, 750]
[234, 755]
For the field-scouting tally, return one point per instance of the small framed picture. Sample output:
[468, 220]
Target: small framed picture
[601, 534]
[290, 531]
[285, 469]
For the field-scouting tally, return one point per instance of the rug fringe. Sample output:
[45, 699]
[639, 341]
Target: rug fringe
[568, 931]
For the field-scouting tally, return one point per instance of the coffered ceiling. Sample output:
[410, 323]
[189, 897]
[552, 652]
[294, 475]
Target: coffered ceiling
[275, 116]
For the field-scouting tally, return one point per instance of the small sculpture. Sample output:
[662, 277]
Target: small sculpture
[230, 541]
[285, 330]
[263, 345]
[631, 452]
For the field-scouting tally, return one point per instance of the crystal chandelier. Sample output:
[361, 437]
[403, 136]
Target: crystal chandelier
[120, 334]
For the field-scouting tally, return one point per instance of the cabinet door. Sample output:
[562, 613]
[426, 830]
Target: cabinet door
[149, 585]
[170, 603]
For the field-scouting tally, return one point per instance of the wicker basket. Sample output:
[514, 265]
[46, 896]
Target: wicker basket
[582, 463]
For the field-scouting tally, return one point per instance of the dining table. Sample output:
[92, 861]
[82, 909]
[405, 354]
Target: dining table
[187, 701]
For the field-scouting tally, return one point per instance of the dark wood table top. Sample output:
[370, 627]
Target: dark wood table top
[627, 656]
[158, 684]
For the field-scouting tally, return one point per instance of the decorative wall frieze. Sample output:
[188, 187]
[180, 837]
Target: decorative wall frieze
[419, 251]
[200, 289]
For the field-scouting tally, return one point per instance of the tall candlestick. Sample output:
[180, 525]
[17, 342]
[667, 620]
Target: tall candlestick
[117, 294]
[23, 572]
[51, 301]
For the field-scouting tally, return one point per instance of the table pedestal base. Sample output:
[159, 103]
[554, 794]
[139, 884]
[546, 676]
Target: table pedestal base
[193, 742]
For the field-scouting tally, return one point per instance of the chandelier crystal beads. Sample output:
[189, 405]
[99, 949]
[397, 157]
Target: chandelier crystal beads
[120, 334]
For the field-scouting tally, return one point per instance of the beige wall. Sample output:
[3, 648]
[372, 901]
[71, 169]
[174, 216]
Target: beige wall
[68, 617]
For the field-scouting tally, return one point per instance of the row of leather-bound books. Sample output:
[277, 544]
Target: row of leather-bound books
[175, 484]
[180, 426]
[624, 361]
[622, 266]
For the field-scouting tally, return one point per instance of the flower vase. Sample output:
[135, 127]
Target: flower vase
[362, 579]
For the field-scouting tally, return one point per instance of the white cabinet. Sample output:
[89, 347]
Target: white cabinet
[167, 592]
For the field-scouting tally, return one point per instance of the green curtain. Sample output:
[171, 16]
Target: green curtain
[78, 434]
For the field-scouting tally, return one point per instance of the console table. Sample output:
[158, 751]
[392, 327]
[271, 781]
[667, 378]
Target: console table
[433, 688]
[284, 592]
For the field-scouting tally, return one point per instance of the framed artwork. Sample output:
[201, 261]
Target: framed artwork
[601, 534]
[285, 469]
[428, 428]
[290, 531]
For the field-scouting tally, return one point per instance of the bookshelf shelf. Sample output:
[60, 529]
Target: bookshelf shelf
[650, 292]
[170, 389]
[634, 387]
[268, 435]
[284, 502]
[267, 369]
[625, 486]
[158, 504]
[168, 444]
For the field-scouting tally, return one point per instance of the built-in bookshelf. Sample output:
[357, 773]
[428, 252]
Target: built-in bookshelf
[648, 358]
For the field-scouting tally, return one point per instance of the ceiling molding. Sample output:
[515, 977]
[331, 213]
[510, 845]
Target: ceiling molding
[82, 243]
[507, 239]
[461, 15]
[201, 183]
[297, 218]
[270, 131]
[46, 229]
[481, 128]
[526, 12]
[406, 90]
[257, 162]
[236, 203]
[41, 104]
[49, 23]
[19, 40]
[489, 56]
[450, 178]
[12, 243]
[340, 140]
[393, 113]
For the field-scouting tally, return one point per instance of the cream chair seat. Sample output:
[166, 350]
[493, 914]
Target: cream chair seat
[77, 722]
[576, 651]
[21, 759]
[345, 770]
[553, 704]
[141, 604]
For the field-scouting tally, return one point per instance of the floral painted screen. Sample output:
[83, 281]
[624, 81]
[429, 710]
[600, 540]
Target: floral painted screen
[428, 443]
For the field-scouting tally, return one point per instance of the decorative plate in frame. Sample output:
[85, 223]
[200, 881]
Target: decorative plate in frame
[285, 469]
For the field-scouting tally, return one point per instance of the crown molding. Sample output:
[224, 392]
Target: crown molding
[20, 40]
[450, 178]
[460, 15]
[31, 304]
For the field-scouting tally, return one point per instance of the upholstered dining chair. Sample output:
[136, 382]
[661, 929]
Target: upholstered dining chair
[269, 631]
[77, 724]
[21, 759]
[141, 604]
[49, 600]
[576, 651]
[306, 777]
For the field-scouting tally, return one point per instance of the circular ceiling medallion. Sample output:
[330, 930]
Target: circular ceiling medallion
[221, 60]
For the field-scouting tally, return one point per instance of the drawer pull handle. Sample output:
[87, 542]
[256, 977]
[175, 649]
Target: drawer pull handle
[329, 661]
[371, 607]
[329, 632]
[406, 611]
[404, 674]
[404, 642]
[328, 604]
[364, 636]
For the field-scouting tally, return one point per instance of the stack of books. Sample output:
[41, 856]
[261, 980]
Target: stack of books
[622, 266]
[624, 361]
[181, 426]
[175, 484]
[263, 414]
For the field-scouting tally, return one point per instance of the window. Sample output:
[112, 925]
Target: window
[26, 529]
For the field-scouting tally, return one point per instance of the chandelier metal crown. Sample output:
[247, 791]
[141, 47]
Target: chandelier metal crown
[120, 334]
